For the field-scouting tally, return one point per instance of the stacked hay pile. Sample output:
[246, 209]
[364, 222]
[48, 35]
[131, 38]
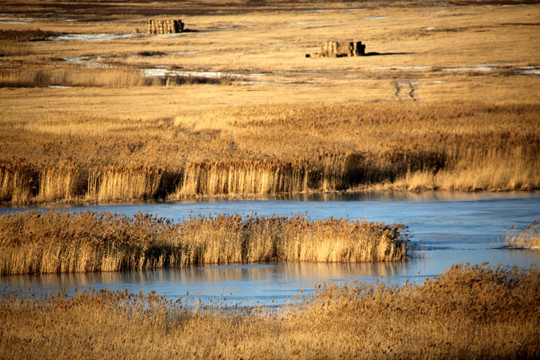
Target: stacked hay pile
[164, 26]
[340, 49]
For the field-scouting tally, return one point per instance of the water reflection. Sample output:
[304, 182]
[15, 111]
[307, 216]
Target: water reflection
[217, 202]
[270, 284]
[448, 229]
[263, 283]
[306, 272]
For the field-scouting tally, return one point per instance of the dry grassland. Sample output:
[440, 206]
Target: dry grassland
[468, 312]
[446, 100]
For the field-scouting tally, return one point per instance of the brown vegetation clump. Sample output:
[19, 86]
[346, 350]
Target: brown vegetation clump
[527, 237]
[469, 312]
[57, 242]
[26, 35]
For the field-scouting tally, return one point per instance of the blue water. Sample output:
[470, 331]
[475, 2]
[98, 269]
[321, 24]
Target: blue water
[446, 228]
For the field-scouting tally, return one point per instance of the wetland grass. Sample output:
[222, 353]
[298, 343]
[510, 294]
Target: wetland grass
[50, 77]
[57, 242]
[329, 125]
[273, 149]
[409, 121]
[527, 237]
[468, 312]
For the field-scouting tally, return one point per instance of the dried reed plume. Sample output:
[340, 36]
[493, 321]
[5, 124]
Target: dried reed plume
[56, 241]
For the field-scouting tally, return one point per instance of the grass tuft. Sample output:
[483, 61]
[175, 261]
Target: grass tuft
[526, 238]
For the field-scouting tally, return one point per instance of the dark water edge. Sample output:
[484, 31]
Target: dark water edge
[446, 229]
[383, 195]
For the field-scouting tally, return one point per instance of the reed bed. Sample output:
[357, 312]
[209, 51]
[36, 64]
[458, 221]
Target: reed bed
[95, 77]
[57, 242]
[469, 312]
[527, 237]
[13, 48]
[273, 149]
[119, 183]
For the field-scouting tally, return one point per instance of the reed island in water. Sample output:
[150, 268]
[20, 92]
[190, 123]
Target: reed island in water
[57, 241]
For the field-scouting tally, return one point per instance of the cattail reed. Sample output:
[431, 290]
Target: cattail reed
[120, 183]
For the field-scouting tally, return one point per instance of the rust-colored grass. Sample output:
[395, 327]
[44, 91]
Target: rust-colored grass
[469, 312]
[57, 242]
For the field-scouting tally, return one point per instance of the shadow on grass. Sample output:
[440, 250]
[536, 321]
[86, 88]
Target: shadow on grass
[374, 53]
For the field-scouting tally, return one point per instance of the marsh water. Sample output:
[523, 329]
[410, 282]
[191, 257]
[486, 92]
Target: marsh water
[445, 229]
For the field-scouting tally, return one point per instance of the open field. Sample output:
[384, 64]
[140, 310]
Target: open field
[94, 111]
[466, 313]
[59, 242]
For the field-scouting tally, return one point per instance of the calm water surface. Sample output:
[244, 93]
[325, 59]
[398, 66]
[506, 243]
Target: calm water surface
[448, 228]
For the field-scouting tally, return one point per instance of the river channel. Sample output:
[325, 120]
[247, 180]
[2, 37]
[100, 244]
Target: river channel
[445, 229]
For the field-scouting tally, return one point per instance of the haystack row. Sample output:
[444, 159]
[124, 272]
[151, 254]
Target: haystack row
[164, 26]
[340, 49]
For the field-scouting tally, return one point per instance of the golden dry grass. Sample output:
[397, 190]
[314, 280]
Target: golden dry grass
[58, 242]
[88, 77]
[527, 237]
[469, 312]
[448, 103]
[272, 149]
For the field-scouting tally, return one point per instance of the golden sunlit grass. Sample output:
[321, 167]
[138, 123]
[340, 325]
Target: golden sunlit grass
[444, 102]
[56, 242]
[98, 77]
[272, 149]
[13, 48]
[526, 238]
[447, 101]
[469, 312]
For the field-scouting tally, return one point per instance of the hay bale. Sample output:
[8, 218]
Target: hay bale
[359, 49]
[341, 48]
[169, 26]
[334, 47]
